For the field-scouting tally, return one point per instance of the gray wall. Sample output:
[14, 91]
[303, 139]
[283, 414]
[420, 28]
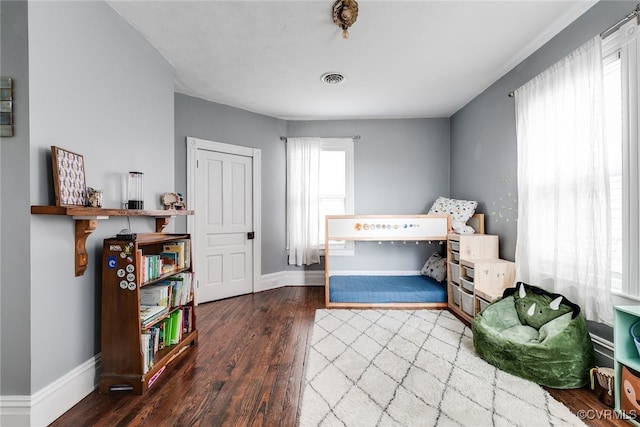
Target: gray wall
[483, 133]
[401, 167]
[99, 89]
[215, 122]
[15, 319]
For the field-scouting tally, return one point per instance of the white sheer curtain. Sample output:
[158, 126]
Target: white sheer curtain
[303, 228]
[564, 224]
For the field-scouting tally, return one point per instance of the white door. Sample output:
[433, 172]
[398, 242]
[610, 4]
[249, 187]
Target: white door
[224, 225]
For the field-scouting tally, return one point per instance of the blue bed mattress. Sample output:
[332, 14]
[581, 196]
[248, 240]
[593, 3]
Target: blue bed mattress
[386, 289]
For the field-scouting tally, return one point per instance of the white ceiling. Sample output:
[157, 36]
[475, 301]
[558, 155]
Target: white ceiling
[403, 59]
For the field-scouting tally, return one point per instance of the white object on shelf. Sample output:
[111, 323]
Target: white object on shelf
[467, 284]
[456, 255]
[483, 303]
[469, 272]
[456, 294]
[455, 246]
[455, 272]
[467, 302]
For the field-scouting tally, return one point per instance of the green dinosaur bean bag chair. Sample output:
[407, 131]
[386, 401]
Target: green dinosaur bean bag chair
[536, 335]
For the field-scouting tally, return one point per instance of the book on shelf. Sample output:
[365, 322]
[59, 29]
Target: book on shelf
[162, 335]
[150, 313]
[155, 337]
[167, 331]
[159, 336]
[186, 294]
[153, 266]
[140, 270]
[169, 262]
[181, 288]
[176, 327]
[158, 294]
[183, 250]
[150, 344]
[147, 357]
[187, 319]
[187, 253]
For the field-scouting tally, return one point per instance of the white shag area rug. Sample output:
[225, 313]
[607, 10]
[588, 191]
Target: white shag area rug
[413, 368]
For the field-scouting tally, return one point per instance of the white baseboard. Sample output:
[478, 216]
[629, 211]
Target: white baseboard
[47, 404]
[15, 411]
[290, 278]
[604, 351]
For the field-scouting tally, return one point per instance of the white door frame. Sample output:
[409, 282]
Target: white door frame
[194, 144]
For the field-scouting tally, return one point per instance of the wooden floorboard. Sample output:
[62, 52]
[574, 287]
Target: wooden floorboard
[248, 370]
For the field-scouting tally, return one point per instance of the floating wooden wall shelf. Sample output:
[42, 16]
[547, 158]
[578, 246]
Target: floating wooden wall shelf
[86, 220]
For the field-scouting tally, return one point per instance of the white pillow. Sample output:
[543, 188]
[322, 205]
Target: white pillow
[461, 228]
[435, 267]
[460, 211]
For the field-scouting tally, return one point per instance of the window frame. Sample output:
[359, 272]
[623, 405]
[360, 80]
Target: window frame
[347, 146]
[626, 44]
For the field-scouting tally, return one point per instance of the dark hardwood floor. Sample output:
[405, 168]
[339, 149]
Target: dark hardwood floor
[248, 370]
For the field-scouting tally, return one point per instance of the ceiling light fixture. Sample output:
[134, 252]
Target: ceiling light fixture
[333, 78]
[345, 13]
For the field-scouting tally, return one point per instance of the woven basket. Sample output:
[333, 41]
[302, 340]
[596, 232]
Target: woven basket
[605, 378]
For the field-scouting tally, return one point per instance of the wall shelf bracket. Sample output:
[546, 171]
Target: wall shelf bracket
[84, 227]
[86, 221]
[161, 223]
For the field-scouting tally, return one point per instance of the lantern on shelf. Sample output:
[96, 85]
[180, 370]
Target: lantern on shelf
[135, 191]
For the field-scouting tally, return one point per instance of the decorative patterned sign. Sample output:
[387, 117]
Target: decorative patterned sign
[68, 177]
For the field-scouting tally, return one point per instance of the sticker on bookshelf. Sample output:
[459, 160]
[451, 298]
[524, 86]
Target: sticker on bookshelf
[112, 262]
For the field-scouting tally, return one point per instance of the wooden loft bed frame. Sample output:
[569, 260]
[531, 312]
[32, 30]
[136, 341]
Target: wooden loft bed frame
[477, 223]
[352, 228]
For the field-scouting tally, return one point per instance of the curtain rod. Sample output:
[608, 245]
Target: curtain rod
[635, 13]
[620, 23]
[356, 137]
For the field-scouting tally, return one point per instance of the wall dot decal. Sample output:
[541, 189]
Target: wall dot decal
[505, 209]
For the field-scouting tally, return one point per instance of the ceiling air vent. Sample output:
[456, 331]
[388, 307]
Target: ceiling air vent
[333, 78]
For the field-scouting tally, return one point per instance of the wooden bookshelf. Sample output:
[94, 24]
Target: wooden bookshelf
[127, 363]
[86, 221]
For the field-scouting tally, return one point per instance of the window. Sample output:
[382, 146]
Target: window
[563, 182]
[613, 140]
[336, 186]
[621, 74]
[319, 183]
